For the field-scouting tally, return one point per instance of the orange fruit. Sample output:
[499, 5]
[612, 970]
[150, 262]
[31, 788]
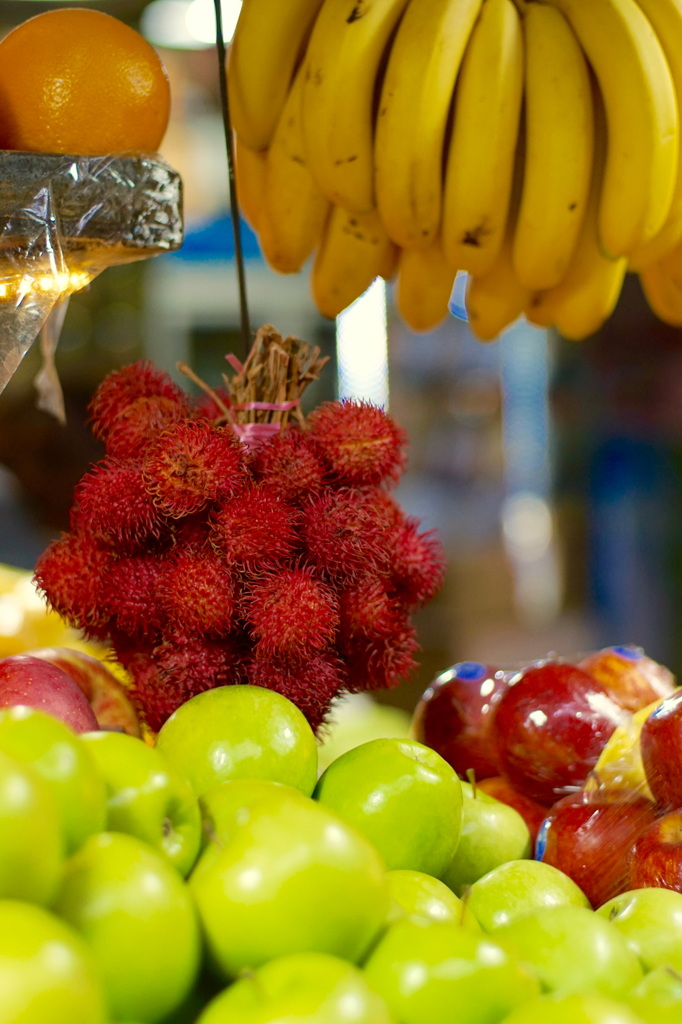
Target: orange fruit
[78, 81]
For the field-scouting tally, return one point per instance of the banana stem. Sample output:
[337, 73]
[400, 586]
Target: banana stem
[232, 181]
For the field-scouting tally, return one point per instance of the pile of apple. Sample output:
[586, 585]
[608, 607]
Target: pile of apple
[589, 751]
[217, 877]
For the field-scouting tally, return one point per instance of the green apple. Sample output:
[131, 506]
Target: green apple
[286, 875]
[46, 972]
[579, 1008]
[147, 797]
[58, 755]
[572, 950]
[240, 732]
[312, 987]
[414, 893]
[31, 842]
[517, 886]
[403, 796]
[651, 921]
[491, 834]
[356, 719]
[224, 805]
[136, 915]
[657, 999]
[433, 972]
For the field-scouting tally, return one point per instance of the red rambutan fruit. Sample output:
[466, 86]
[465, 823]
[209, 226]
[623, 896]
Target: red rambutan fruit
[192, 533]
[138, 422]
[200, 662]
[191, 464]
[346, 533]
[167, 675]
[289, 464]
[197, 591]
[311, 686]
[154, 700]
[111, 505]
[381, 662]
[255, 527]
[128, 595]
[69, 574]
[361, 443]
[118, 389]
[418, 565]
[367, 609]
[291, 614]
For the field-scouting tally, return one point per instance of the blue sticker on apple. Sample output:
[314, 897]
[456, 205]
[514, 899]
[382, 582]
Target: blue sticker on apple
[633, 653]
[470, 671]
[541, 840]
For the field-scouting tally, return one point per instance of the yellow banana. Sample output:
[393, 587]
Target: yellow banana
[559, 146]
[354, 250]
[588, 293]
[496, 299]
[662, 286]
[666, 20]
[266, 47]
[342, 62]
[250, 179]
[642, 119]
[423, 287]
[415, 100]
[295, 208]
[480, 161]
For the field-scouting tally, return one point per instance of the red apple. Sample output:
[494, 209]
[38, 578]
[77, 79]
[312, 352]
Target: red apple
[657, 855]
[630, 676]
[107, 696]
[589, 835]
[661, 748]
[454, 714]
[532, 812]
[45, 687]
[550, 725]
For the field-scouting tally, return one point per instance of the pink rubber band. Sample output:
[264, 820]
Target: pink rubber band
[255, 434]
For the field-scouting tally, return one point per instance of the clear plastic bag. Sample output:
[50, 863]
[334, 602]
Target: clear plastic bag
[64, 219]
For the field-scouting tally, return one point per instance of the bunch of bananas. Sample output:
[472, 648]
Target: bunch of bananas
[533, 144]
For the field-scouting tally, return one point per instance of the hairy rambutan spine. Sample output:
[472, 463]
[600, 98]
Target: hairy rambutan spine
[256, 527]
[69, 574]
[122, 387]
[289, 464]
[155, 699]
[418, 565]
[291, 614]
[128, 595]
[361, 443]
[138, 422]
[112, 506]
[366, 609]
[312, 686]
[197, 592]
[381, 662]
[192, 533]
[192, 464]
[182, 665]
[346, 533]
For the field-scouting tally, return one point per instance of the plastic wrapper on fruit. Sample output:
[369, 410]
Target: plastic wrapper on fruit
[64, 219]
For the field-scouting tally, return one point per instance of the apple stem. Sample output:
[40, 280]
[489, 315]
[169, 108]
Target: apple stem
[471, 778]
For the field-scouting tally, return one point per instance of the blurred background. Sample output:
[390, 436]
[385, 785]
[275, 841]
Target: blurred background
[551, 470]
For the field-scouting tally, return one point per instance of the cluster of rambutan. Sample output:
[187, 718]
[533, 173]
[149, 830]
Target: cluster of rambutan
[202, 561]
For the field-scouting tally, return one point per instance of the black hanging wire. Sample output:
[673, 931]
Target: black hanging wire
[232, 180]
